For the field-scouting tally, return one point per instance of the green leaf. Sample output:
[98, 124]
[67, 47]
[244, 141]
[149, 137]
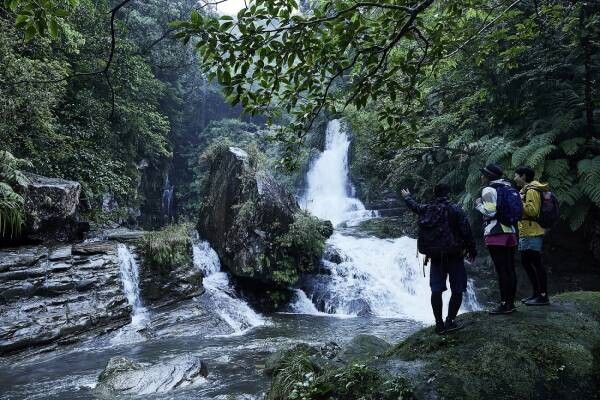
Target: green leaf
[53, 27]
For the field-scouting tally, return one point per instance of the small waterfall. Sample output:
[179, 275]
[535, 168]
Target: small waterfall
[301, 304]
[381, 277]
[167, 199]
[228, 306]
[130, 277]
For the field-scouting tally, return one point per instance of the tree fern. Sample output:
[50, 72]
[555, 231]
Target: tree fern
[570, 146]
[575, 215]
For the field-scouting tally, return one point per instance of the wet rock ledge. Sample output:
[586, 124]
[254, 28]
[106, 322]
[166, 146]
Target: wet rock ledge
[535, 353]
[54, 295]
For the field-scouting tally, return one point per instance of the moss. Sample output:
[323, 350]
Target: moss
[535, 353]
[166, 248]
[298, 377]
[299, 249]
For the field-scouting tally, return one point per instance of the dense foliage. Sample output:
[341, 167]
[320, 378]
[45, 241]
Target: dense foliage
[433, 90]
[526, 97]
[167, 248]
[114, 120]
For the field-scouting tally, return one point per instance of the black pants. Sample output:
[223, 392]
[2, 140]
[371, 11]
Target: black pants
[532, 263]
[504, 262]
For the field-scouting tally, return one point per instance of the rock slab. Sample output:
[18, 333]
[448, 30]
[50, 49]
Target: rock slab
[124, 376]
[52, 295]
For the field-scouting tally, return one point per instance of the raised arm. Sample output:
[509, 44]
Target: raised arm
[413, 205]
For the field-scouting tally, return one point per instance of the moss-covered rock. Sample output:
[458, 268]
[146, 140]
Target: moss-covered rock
[167, 273]
[255, 226]
[536, 353]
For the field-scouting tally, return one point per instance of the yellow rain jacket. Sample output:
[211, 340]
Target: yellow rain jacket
[532, 202]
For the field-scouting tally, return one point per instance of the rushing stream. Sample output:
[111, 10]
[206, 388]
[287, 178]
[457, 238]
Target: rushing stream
[373, 286]
[382, 277]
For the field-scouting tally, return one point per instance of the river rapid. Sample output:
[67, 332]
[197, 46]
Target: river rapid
[366, 286]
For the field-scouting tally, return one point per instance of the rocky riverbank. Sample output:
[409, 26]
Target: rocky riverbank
[57, 294]
[53, 295]
[536, 353]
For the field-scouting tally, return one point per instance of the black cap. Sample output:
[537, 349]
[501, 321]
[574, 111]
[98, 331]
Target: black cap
[492, 171]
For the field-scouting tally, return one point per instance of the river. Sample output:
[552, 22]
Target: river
[372, 286]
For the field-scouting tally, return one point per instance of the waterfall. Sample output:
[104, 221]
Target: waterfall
[130, 278]
[228, 306]
[167, 199]
[329, 189]
[381, 277]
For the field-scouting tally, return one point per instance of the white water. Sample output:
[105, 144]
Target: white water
[228, 306]
[383, 277]
[327, 195]
[130, 278]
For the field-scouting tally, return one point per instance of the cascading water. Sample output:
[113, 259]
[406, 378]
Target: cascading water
[383, 277]
[230, 308]
[328, 186]
[167, 199]
[129, 272]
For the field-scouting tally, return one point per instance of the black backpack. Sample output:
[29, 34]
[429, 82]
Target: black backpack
[436, 233]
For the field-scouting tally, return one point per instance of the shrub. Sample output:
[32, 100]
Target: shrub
[299, 249]
[167, 247]
[11, 202]
[298, 377]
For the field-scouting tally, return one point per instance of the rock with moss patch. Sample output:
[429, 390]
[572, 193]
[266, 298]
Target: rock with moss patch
[167, 271]
[363, 347]
[51, 209]
[255, 226]
[535, 353]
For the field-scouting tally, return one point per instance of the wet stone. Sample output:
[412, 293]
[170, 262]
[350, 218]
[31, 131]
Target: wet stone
[124, 376]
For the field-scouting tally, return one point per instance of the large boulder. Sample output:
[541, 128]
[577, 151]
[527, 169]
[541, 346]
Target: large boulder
[124, 376]
[256, 227]
[51, 208]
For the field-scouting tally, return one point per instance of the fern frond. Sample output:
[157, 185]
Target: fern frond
[570, 146]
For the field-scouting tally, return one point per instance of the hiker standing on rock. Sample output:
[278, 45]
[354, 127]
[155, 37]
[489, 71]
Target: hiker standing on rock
[534, 195]
[444, 235]
[502, 208]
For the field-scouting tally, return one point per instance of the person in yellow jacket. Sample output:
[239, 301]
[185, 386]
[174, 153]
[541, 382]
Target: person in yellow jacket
[531, 235]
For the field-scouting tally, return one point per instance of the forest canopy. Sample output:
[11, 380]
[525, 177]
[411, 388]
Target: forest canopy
[431, 89]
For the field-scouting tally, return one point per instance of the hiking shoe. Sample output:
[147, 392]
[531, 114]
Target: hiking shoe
[440, 329]
[451, 325]
[526, 299]
[538, 301]
[503, 308]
